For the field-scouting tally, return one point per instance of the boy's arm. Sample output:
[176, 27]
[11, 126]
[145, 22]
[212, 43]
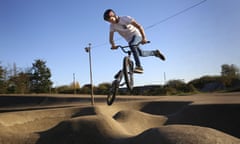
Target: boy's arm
[141, 30]
[111, 35]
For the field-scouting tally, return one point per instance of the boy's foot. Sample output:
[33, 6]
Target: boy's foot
[138, 70]
[158, 54]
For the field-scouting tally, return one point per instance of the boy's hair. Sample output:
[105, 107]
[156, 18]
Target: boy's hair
[106, 14]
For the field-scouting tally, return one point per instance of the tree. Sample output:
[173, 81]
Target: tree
[230, 75]
[2, 80]
[230, 70]
[74, 85]
[103, 88]
[19, 83]
[40, 78]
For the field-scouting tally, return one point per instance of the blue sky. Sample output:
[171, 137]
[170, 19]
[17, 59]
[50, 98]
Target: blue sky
[195, 43]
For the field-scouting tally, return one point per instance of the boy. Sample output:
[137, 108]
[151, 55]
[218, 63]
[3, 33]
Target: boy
[133, 33]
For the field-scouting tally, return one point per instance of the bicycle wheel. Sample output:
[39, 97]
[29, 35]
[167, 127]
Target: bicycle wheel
[112, 92]
[128, 72]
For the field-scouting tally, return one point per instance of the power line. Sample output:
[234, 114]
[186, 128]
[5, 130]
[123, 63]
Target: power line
[99, 45]
[166, 19]
[176, 14]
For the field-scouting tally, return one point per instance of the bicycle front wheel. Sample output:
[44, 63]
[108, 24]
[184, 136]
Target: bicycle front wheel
[128, 72]
[112, 92]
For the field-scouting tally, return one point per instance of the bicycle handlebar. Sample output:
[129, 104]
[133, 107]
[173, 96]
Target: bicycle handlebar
[122, 47]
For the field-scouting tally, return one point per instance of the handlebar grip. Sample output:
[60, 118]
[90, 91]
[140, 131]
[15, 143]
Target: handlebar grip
[114, 48]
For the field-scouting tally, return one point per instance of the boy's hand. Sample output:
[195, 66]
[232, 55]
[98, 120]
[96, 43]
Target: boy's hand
[114, 47]
[144, 41]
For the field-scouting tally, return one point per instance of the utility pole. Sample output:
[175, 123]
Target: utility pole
[74, 83]
[164, 77]
[88, 50]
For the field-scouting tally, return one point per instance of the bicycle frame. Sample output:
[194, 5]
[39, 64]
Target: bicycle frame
[118, 76]
[126, 71]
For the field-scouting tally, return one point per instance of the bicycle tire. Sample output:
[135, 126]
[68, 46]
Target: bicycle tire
[128, 72]
[112, 92]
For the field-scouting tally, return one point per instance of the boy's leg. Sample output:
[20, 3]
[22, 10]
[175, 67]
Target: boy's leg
[138, 68]
[155, 53]
[134, 49]
[145, 53]
[136, 55]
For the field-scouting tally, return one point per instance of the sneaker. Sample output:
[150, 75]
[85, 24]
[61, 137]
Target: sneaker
[158, 54]
[138, 70]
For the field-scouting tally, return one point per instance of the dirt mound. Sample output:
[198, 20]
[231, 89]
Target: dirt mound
[184, 134]
[223, 117]
[192, 120]
[136, 122]
[86, 129]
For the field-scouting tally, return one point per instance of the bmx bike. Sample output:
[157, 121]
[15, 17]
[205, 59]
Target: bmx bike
[127, 72]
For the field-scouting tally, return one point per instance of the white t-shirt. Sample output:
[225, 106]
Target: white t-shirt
[125, 28]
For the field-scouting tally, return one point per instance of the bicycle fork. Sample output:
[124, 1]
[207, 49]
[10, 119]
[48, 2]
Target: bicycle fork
[118, 76]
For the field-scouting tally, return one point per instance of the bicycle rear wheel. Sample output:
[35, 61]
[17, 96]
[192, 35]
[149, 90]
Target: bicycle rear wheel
[128, 72]
[112, 92]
